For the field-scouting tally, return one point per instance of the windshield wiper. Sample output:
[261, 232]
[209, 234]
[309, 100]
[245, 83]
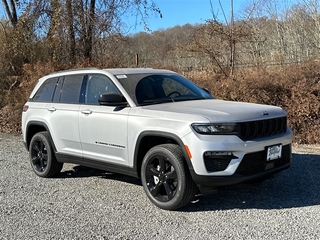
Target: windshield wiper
[152, 102]
[188, 99]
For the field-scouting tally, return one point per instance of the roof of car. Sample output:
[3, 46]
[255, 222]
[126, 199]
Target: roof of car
[114, 71]
[117, 71]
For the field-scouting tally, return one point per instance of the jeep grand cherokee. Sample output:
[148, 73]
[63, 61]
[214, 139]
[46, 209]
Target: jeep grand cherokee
[155, 125]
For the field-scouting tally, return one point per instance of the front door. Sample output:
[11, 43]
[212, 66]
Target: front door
[103, 129]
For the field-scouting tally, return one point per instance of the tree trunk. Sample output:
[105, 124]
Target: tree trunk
[89, 34]
[72, 52]
[12, 13]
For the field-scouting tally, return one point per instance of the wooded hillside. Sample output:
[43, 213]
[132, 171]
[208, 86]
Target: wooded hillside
[268, 55]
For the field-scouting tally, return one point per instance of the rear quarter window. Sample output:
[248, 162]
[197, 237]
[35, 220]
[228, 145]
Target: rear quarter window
[45, 92]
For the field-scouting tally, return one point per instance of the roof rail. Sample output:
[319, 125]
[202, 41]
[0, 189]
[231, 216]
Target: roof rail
[75, 69]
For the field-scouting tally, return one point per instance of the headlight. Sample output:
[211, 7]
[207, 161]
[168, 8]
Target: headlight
[214, 128]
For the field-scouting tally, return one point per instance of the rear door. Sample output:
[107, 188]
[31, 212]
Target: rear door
[63, 115]
[103, 129]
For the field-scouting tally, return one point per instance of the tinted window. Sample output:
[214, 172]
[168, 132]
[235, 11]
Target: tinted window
[172, 87]
[97, 85]
[71, 88]
[46, 91]
[154, 89]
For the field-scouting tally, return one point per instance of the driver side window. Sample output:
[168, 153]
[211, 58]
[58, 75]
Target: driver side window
[97, 85]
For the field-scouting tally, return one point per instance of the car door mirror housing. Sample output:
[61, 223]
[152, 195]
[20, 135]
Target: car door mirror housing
[112, 99]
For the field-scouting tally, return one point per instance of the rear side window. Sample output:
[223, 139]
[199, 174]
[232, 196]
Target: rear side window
[71, 88]
[45, 92]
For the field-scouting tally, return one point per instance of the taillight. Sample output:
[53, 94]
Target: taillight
[25, 108]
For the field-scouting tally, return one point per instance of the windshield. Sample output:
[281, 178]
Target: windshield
[147, 89]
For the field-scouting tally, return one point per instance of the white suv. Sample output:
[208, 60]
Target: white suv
[155, 125]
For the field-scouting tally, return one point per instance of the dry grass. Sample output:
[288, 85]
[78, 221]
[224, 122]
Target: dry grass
[294, 88]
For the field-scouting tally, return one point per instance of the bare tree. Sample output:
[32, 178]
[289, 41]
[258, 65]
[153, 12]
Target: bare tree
[219, 41]
[73, 28]
[72, 40]
[11, 11]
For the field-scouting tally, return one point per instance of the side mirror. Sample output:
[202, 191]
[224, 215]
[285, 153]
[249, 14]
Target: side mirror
[112, 99]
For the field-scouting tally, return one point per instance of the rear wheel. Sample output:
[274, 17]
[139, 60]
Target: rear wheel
[165, 177]
[42, 158]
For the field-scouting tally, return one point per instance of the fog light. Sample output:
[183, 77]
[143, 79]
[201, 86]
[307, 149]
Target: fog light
[217, 160]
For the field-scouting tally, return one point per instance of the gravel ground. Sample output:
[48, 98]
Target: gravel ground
[83, 203]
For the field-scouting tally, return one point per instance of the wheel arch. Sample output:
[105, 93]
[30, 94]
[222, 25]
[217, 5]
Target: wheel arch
[33, 127]
[149, 139]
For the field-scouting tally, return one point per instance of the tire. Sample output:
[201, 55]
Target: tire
[166, 178]
[42, 158]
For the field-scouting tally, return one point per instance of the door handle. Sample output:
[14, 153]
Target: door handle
[52, 109]
[86, 112]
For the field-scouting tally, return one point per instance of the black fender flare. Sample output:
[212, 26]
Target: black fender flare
[162, 134]
[40, 124]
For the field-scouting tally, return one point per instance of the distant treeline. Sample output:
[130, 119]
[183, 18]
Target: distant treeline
[92, 33]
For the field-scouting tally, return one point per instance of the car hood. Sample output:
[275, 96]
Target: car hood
[220, 111]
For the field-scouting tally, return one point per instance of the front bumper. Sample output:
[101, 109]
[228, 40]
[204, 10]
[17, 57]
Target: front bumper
[246, 160]
[208, 184]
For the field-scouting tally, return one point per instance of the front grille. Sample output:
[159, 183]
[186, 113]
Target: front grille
[262, 128]
[253, 163]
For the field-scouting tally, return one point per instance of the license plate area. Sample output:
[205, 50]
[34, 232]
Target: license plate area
[274, 152]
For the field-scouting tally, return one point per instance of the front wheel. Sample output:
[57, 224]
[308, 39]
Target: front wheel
[42, 158]
[165, 177]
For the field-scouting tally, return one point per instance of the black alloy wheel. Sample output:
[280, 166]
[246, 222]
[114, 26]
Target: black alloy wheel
[161, 178]
[42, 158]
[166, 178]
